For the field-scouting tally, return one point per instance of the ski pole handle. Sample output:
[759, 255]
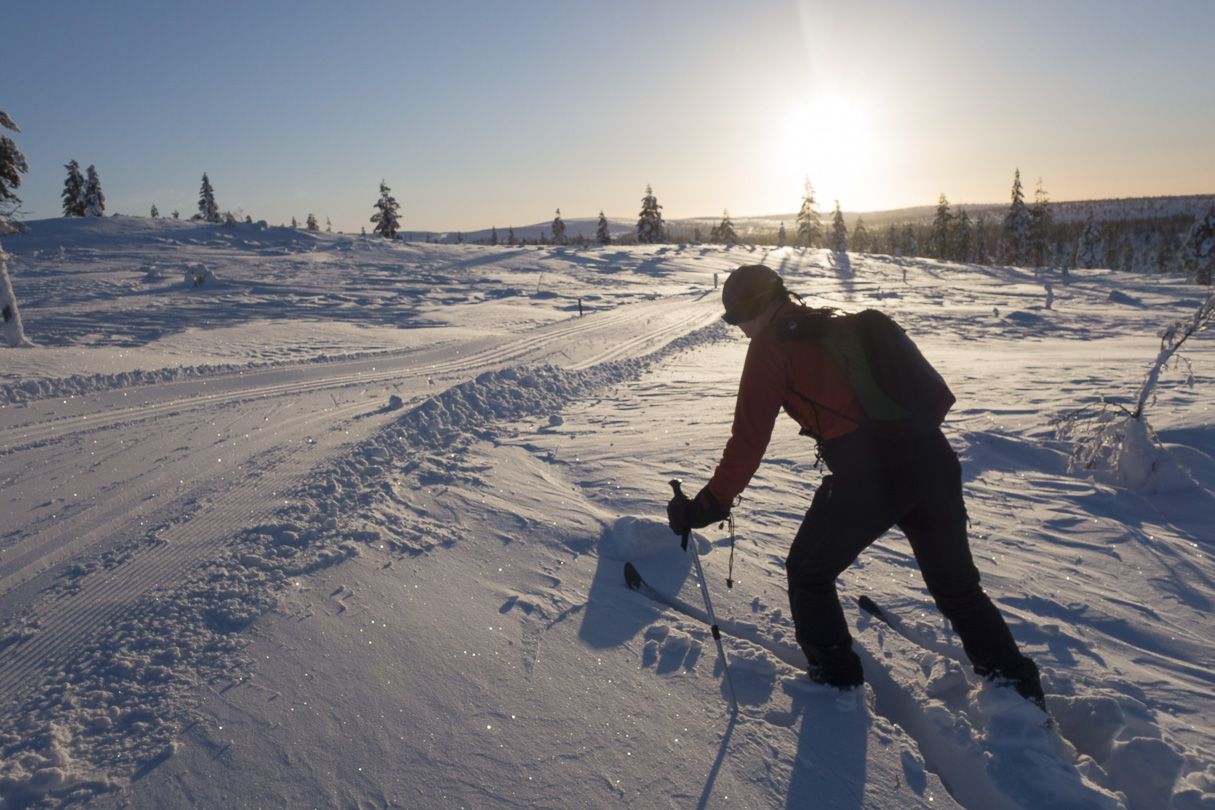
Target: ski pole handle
[675, 485]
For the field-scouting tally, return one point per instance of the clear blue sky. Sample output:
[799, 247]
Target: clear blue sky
[498, 113]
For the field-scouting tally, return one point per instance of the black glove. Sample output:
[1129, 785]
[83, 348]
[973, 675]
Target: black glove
[684, 515]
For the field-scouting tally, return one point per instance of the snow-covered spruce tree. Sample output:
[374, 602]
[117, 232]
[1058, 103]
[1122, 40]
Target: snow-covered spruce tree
[982, 231]
[12, 165]
[207, 209]
[964, 237]
[1090, 249]
[723, 233]
[1017, 225]
[1040, 221]
[558, 229]
[649, 222]
[809, 226]
[94, 200]
[602, 235]
[781, 238]
[385, 217]
[839, 231]
[908, 244]
[1198, 251]
[859, 241]
[312, 224]
[942, 226]
[1109, 436]
[155, 212]
[73, 191]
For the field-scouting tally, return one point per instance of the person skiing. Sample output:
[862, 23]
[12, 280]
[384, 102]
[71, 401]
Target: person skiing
[875, 481]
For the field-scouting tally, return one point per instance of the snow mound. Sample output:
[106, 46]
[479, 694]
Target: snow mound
[635, 538]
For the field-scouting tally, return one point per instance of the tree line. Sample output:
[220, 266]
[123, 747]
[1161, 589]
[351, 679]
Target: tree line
[1027, 234]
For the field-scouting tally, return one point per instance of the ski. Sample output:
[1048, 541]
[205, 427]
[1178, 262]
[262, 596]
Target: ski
[897, 625]
[790, 655]
[910, 633]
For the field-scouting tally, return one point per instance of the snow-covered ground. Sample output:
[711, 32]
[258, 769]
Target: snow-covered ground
[236, 572]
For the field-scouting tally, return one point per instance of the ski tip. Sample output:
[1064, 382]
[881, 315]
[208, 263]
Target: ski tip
[632, 577]
[868, 605]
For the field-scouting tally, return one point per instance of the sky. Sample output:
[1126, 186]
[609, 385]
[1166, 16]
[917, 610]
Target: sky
[479, 113]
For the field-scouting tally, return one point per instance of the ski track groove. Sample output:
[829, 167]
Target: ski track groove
[201, 518]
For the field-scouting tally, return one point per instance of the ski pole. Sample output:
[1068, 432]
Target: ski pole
[704, 589]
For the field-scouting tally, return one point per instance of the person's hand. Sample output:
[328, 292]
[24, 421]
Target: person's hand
[683, 514]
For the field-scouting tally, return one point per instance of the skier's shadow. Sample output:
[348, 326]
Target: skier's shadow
[614, 614]
[829, 769]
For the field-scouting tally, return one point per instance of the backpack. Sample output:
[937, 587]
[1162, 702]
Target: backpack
[898, 389]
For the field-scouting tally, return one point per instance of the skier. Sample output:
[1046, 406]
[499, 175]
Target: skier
[874, 483]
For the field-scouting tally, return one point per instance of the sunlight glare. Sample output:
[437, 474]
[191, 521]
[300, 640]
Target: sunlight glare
[834, 139]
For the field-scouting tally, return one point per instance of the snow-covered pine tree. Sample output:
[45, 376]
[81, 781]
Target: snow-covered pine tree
[892, 246]
[964, 237]
[558, 229]
[781, 238]
[982, 229]
[1017, 225]
[12, 165]
[312, 224]
[1198, 252]
[493, 235]
[839, 231]
[207, 209]
[73, 191]
[1090, 249]
[94, 200]
[649, 223]
[859, 241]
[511, 239]
[385, 217]
[809, 226]
[155, 212]
[1040, 220]
[723, 233]
[602, 235]
[939, 246]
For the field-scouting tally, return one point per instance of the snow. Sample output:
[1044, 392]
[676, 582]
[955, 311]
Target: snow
[236, 572]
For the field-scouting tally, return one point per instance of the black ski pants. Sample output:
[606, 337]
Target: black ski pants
[921, 494]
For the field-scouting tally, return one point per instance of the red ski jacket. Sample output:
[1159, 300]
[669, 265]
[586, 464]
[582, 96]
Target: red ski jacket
[772, 373]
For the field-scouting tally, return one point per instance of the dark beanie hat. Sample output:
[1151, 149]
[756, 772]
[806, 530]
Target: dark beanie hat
[748, 290]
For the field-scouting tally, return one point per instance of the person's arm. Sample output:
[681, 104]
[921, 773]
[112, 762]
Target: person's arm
[761, 392]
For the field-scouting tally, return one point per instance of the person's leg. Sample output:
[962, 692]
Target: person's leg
[842, 521]
[936, 530]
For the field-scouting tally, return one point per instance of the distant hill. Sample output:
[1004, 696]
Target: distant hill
[1129, 208]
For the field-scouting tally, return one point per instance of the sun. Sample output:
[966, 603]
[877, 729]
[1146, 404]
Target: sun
[835, 139]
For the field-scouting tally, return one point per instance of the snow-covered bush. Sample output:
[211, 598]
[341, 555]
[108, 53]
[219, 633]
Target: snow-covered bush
[12, 165]
[199, 274]
[11, 333]
[1110, 436]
